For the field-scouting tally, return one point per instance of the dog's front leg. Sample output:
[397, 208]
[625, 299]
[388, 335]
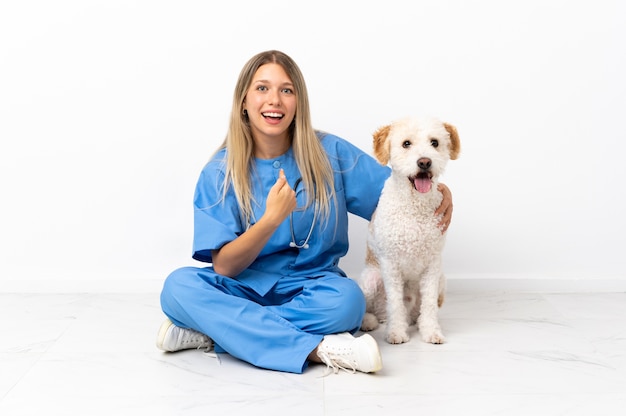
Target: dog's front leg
[428, 322]
[397, 320]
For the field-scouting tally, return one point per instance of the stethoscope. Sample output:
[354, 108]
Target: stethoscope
[305, 243]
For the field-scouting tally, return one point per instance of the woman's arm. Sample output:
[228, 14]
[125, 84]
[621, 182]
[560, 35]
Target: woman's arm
[235, 256]
[445, 207]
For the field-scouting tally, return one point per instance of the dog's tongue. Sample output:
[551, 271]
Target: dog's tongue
[422, 184]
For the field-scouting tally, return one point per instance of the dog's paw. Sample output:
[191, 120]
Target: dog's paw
[370, 322]
[397, 337]
[435, 337]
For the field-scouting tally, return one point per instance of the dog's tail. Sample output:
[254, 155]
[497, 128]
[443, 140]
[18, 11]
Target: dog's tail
[371, 281]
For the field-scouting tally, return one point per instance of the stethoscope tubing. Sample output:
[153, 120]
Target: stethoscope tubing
[305, 244]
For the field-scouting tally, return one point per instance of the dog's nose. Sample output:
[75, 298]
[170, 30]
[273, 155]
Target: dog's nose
[424, 163]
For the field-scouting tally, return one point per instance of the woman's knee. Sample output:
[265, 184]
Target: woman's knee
[353, 295]
[347, 306]
[178, 287]
[176, 280]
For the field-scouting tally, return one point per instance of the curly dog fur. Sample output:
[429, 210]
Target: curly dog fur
[403, 280]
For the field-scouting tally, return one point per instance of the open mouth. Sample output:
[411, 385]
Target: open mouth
[422, 182]
[273, 116]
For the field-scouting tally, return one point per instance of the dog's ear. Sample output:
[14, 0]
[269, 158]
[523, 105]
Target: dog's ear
[455, 143]
[381, 146]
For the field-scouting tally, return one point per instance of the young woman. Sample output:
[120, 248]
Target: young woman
[271, 217]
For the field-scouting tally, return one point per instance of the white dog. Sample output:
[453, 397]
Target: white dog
[403, 280]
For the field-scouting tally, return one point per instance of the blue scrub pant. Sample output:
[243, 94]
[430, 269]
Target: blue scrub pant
[276, 331]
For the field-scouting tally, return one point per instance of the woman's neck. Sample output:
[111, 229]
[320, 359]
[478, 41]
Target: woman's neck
[266, 149]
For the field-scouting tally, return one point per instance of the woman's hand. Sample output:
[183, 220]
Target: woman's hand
[281, 200]
[236, 256]
[445, 208]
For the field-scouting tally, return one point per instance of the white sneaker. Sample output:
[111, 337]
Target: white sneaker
[173, 338]
[345, 352]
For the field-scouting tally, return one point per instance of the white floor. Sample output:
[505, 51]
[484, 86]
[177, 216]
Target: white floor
[508, 353]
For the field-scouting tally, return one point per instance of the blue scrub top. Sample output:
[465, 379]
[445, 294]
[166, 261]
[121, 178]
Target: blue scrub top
[359, 180]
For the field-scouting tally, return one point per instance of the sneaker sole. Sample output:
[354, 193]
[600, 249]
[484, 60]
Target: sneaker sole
[375, 360]
[165, 326]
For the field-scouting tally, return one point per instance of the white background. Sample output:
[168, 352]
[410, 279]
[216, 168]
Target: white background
[109, 109]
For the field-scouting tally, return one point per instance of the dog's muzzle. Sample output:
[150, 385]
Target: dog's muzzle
[422, 182]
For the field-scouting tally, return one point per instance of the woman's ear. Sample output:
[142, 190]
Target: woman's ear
[381, 146]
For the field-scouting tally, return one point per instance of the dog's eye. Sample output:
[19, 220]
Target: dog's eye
[434, 142]
[406, 144]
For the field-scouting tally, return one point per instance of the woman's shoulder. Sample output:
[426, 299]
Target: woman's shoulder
[217, 161]
[336, 145]
[214, 169]
[326, 137]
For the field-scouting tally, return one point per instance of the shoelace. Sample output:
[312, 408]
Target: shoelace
[200, 339]
[210, 352]
[334, 363]
[190, 336]
[196, 338]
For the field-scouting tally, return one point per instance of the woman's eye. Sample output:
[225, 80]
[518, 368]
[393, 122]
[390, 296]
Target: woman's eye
[287, 91]
[406, 144]
[434, 143]
[261, 88]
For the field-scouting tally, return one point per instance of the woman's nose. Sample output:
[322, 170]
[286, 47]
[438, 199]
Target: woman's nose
[274, 98]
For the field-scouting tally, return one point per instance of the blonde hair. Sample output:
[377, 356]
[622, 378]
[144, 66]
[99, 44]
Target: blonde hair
[312, 161]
